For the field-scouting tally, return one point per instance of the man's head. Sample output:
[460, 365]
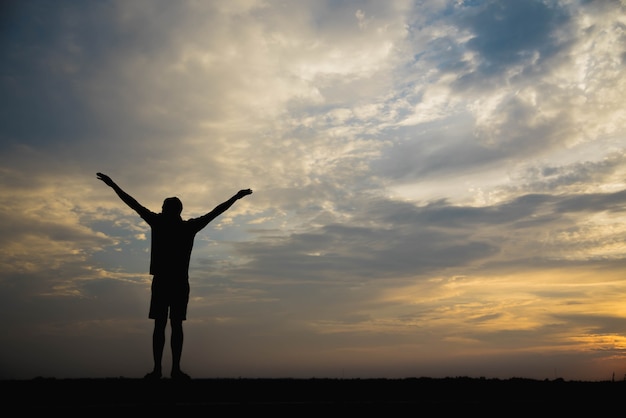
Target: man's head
[172, 206]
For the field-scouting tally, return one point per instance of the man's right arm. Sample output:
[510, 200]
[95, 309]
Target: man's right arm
[126, 198]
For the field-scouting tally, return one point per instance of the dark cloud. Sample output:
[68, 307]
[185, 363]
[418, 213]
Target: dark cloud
[422, 158]
[69, 71]
[553, 178]
[406, 239]
[49, 55]
[596, 323]
[593, 202]
[360, 253]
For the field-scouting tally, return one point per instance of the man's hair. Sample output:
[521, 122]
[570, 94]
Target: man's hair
[172, 206]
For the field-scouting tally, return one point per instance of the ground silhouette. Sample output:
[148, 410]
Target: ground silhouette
[458, 394]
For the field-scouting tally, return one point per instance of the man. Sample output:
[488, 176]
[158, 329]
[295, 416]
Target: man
[171, 244]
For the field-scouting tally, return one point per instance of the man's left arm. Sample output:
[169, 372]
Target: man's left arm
[223, 207]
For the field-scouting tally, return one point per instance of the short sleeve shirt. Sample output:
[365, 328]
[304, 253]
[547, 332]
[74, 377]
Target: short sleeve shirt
[171, 243]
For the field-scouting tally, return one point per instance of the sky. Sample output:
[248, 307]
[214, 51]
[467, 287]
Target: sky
[439, 186]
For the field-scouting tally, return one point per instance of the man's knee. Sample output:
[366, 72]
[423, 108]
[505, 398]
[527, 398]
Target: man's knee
[160, 324]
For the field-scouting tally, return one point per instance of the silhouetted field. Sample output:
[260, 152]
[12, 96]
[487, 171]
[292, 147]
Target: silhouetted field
[460, 394]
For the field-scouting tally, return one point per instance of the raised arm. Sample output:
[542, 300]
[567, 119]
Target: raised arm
[223, 207]
[126, 198]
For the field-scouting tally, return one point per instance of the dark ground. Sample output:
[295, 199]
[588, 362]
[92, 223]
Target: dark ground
[459, 395]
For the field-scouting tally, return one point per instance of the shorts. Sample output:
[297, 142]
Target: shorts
[169, 296]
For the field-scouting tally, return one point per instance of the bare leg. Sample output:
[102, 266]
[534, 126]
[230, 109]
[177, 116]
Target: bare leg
[158, 343]
[177, 348]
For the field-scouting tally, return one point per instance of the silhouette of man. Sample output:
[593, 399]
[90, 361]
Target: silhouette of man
[171, 244]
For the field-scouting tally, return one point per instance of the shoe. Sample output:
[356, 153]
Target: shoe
[180, 376]
[152, 376]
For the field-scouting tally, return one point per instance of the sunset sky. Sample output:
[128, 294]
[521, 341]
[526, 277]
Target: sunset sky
[439, 186]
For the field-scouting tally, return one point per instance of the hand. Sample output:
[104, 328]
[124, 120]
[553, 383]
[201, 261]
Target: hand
[244, 192]
[106, 179]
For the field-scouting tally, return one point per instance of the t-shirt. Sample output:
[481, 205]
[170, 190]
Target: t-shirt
[171, 243]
